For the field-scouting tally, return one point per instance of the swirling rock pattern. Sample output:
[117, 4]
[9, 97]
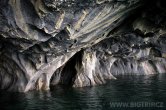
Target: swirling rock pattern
[78, 43]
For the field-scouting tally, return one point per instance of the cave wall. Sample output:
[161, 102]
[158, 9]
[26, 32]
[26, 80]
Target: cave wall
[78, 43]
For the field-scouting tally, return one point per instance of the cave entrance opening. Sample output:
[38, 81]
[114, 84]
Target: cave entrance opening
[66, 74]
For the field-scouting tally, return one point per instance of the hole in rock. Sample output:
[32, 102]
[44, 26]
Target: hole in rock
[65, 75]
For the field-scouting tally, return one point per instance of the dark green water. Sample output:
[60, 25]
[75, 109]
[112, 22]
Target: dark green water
[126, 89]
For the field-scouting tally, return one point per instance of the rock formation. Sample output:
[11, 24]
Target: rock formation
[79, 42]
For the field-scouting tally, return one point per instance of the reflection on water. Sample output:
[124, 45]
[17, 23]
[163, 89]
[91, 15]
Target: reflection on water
[124, 89]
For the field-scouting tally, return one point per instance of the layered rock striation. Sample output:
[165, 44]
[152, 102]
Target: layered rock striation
[79, 43]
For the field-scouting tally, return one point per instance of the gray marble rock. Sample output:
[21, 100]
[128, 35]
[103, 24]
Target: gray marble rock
[78, 43]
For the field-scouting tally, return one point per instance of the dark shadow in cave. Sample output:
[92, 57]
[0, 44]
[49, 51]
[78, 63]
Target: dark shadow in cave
[67, 73]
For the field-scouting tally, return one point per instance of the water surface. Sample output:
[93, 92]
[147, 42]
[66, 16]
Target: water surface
[126, 89]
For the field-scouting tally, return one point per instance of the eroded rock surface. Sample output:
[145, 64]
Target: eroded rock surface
[79, 43]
